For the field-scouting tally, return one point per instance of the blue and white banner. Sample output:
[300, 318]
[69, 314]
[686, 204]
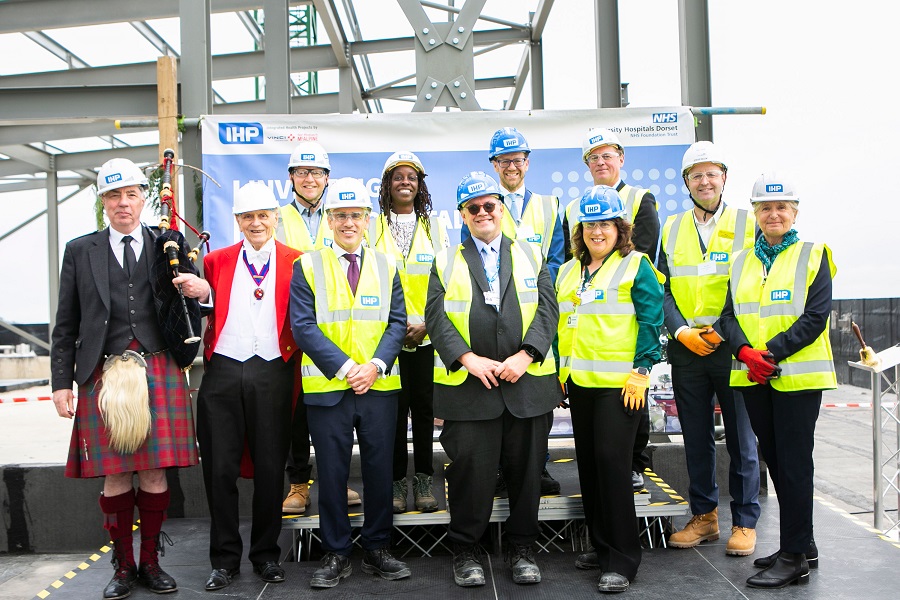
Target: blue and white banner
[239, 149]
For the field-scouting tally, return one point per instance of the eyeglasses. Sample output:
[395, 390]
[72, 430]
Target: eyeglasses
[400, 178]
[340, 217]
[605, 157]
[511, 161]
[712, 176]
[304, 173]
[474, 209]
[601, 225]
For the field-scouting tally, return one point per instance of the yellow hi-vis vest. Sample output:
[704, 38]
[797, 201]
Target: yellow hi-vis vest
[598, 328]
[698, 281]
[767, 306]
[454, 275]
[296, 233]
[415, 268]
[537, 223]
[629, 195]
[354, 323]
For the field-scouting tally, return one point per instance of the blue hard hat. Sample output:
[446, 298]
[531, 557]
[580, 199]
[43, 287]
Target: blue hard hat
[475, 185]
[600, 203]
[508, 140]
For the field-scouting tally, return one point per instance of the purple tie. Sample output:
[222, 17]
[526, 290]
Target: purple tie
[352, 271]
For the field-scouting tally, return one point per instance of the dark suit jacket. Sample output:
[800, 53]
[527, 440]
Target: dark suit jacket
[496, 335]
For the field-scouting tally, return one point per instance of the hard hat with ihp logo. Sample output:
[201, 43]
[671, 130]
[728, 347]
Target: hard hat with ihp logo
[254, 196]
[475, 185]
[702, 152]
[773, 187]
[118, 173]
[506, 141]
[600, 203]
[310, 155]
[347, 192]
[597, 138]
[401, 158]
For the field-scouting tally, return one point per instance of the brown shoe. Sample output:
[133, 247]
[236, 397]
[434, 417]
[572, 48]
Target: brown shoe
[742, 541]
[700, 528]
[297, 499]
[353, 498]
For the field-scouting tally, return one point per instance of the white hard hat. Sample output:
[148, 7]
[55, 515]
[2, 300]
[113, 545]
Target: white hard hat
[702, 152]
[772, 187]
[118, 173]
[595, 138]
[254, 196]
[347, 192]
[309, 154]
[403, 157]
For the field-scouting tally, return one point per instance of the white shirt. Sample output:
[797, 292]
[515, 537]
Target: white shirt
[118, 247]
[705, 229]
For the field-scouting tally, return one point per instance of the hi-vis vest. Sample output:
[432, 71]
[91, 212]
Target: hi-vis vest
[537, 223]
[296, 233]
[598, 328]
[354, 324]
[454, 275]
[698, 281]
[415, 268]
[767, 307]
[629, 195]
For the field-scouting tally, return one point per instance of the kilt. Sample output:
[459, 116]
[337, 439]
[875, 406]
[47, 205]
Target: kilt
[171, 443]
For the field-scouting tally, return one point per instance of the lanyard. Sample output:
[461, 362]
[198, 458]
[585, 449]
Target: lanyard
[257, 277]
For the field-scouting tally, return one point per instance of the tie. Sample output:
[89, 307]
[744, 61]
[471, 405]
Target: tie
[258, 257]
[130, 260]
[352, 271]
[490, 265]
[513, 201]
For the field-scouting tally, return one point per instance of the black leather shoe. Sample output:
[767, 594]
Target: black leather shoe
[269, 571]
[220, 578]
[588, 560]
[637, 481]
[121, 584]
[380, 562]
[521, 560]
[500, 490]
[155, 579]
[812, 558]
[549, 486]
[334, 568]
[612, 583]
[787, 569]
[467, 569]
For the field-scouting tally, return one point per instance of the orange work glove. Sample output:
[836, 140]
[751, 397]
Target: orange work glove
[710, 335]
[634, 392]
[694, 342]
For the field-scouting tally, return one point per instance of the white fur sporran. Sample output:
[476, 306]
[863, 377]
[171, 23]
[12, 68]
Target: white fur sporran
[125, 401]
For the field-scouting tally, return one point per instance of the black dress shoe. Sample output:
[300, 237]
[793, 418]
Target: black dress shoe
[467, 569]
[220, 578]
[121, 584]
[521, 560]
[612, 583]
[812, 557]
[549, 486]
[380, 562]
[334, 568]
[155, 579]
[588, 560]
[269, 571]
[787, 569]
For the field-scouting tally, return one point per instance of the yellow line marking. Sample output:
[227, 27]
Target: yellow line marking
[564, 460]
[57, 584]
[83, 566]
[42, 594]
[69, 575]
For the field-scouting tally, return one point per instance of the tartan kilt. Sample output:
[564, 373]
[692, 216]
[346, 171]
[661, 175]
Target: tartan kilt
[171, 443]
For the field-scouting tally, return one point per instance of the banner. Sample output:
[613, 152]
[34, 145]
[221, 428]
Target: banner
[242, 148]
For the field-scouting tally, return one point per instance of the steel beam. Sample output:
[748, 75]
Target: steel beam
[24, 185]
[29, 155]
[56, 49]
[278, 58]
[341, 49]
[77, 102]
[693, 44]
[25, 134]
[488, 83]
[606, 31]
[158, 42]
[92, 159]
[53, 243]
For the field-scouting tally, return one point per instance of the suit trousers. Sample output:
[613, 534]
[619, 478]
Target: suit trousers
[416, 400]
[298, 468]
[475, 448]
[332, 427]
[786, 425]
[604, 437]
[241, 401]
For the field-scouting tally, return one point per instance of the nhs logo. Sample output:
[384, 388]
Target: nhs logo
[774, 188]
[665, 117]
[113, 178]
[721, 257]
[369, 300]
[240, 133]
[424, 258]
[531, 283]
[781, 295]
[347, 196]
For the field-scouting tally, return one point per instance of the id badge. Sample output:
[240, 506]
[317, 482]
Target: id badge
[588, 296]
[706, 268]
[492, 298]
[571, 321]
[524, 232]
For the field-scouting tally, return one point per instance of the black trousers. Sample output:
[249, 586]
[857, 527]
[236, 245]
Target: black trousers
[604, 437]
[640, 460]
[416, 400]
[785, 424]
[244, 400]
[298, 468]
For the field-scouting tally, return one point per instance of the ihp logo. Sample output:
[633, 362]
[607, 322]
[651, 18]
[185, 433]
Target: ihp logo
[599, 294]
[347, 196]
[718, 257]
[369, 300]
[536, 238]
[666, 117]
[510, 143]
[591, 209]
[307, 157]
[476, 187]
[530, 283]
[113, 178]
[241, 133]
[781, 295]
[774, 188]
[595, 140]
[424, 258]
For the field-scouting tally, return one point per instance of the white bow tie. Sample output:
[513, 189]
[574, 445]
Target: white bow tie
[258, 256]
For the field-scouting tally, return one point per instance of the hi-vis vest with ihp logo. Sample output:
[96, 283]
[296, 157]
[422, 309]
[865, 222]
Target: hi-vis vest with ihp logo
[537, 223]
[699, 282]
[454, 275]
[630, 198]
[297, 235]
[765, 308]
[598, 328]
[354, 324]
[415, 268]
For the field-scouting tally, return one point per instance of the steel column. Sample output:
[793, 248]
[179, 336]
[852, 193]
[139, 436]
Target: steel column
[693, 43]
[606, 31]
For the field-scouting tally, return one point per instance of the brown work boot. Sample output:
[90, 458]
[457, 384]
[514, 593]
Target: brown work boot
[742, 541]
[297, 499]
[700, 528]
[353, 498]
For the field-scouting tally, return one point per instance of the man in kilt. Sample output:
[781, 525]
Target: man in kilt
[106, 308]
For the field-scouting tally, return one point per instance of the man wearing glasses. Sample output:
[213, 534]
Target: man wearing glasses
[349, 319]
[698, 247]
[491, 314]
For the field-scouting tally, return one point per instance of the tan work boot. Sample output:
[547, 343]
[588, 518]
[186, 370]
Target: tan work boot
[400, 491]
[424, 497]
[700, 528]
[297, 499]
[742, 541]
[353, 498]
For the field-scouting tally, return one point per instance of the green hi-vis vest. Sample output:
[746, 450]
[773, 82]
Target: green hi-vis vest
[296, 233]
[416, 267]
[629, 195]
[454, 275]
[354, 323]
[537, 223]
[598, 327]
[698, 281]
[767, 306]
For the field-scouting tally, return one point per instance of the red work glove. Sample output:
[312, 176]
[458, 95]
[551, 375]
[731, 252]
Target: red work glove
[760, 362]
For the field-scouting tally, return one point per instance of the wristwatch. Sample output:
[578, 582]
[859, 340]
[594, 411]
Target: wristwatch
[530, 351]
[378, 368]
[642, 371]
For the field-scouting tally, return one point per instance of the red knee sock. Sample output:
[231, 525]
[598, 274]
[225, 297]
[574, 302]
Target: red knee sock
[152, 509]
[118, 512]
